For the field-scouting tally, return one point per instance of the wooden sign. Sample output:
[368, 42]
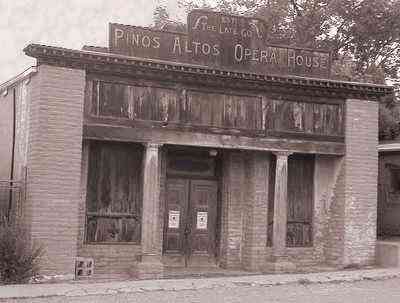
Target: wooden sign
[220, 41]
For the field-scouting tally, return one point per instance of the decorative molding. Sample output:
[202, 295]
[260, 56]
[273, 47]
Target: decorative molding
[152, 145]
[388, 147]
[176, 72]
[25, 75]
[282, 154]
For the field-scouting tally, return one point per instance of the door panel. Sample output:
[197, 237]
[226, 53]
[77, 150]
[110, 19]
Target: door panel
[192, 240]
[175, 215]
[203, 213]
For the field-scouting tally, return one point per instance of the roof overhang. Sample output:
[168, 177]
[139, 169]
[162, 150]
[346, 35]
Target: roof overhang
[107, 62]
[21, 77]
[389, 146]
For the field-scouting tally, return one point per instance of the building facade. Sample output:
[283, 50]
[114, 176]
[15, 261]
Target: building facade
[145, 164]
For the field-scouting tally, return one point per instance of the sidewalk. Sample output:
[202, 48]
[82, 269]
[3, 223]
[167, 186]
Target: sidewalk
[83, 289]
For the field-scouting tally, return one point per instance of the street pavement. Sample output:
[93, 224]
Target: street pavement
[385, 291]
[361, 286]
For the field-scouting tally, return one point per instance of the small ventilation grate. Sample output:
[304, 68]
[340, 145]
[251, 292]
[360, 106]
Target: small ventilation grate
[84, 267]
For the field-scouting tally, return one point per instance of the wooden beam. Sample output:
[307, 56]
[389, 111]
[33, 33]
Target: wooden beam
[173, 137]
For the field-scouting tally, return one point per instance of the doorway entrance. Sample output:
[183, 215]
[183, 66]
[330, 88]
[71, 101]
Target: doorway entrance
[191, 211]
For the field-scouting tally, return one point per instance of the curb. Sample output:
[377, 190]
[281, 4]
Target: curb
[109, 288]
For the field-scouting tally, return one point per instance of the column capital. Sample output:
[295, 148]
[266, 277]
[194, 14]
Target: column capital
[152, 145]
[282, 154]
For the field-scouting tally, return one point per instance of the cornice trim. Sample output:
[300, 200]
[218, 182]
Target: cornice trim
[90, 59]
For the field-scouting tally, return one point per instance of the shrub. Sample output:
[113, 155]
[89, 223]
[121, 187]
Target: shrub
[18, 258]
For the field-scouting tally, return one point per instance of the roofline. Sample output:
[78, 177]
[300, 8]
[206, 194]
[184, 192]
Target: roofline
[387, 147]
[20, 77]
[43, 52]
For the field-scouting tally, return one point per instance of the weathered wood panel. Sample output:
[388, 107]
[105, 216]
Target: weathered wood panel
[216, 112]
[114, 193]
[309, 118]
[300, 200]
[223, 110]
[136, 102]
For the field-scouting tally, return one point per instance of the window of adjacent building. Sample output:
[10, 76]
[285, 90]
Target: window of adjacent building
[113, 200]
[392, 187]
[300, 200]
[394, 178]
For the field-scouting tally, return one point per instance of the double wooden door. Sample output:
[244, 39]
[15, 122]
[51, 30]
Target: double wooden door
[190, 222]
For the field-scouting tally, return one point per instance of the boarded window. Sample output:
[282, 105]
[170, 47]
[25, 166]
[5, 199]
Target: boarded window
[113, 202]
[393, 188]
[300, 200]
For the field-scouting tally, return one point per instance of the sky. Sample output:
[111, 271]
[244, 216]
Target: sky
[65, 23]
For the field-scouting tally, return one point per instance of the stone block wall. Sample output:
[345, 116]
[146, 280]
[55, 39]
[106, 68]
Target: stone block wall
[54, 164]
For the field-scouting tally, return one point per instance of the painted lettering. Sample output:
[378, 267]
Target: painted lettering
[135, 39]
[206, 49]
[216, 50]
[255, 55]
[177, 46]
[273, 57]
[308, 61]
[247, 53]
[119, 34]
[146, 42]
[299, 60]
[291, 57]
[254, 24]
[315, 62]
[187, 49]
[263, 56]
[238, 52]
[196, 47]
[323, 62]
[156, 41]
[201, 21]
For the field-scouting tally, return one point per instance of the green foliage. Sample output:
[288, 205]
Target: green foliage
[367, 31]
[363, 36]
[160, 16]
[18, 259]
[389, 126]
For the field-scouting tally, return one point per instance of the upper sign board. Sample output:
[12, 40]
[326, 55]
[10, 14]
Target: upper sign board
[220, 41]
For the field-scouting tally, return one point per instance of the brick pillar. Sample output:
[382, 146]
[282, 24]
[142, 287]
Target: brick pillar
[280, 261]
[360, 188]
[54, 165]
[256, 211]
[150, 241]
[232, 203]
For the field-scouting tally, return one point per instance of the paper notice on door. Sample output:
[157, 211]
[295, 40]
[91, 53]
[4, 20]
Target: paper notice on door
[202, 220]
[173, 219]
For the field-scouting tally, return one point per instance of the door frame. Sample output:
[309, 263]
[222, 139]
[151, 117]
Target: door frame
[189, 178]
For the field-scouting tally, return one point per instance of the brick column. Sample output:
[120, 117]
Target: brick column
[150, 241]
[280, 213]
[54, 165]
[361, 174]
[255, 212]
[232, 205]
